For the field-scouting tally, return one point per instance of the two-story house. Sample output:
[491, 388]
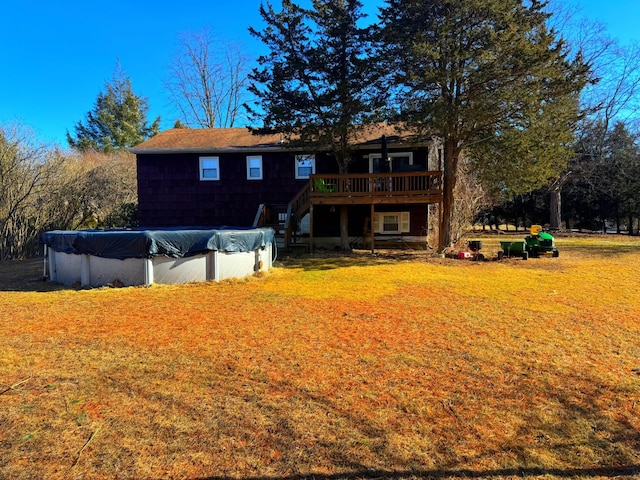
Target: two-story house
[232, 177]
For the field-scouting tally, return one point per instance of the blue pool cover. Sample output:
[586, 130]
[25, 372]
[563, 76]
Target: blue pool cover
[146, 243]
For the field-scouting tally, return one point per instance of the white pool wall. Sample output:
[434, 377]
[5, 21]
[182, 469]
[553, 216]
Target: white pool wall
[93, 271]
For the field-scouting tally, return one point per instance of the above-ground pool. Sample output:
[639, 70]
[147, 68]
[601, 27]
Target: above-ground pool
[164, 255]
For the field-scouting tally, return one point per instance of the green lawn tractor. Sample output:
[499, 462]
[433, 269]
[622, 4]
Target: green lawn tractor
[534, 245]
[540, 243]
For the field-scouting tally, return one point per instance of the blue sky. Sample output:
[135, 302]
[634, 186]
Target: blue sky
[56, 56]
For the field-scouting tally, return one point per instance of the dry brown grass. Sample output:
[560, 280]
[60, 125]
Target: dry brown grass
[393, 366]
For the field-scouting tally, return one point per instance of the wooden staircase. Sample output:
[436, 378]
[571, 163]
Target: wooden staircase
[285, 218]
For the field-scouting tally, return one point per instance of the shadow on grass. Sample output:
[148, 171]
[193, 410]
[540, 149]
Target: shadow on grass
[613, 439]
[601, 472]
[615, 434]
[28, 275]
[25, 276]
[330, 260]
[606, 251]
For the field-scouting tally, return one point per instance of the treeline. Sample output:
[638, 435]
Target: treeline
[599, 189]
[44, 189]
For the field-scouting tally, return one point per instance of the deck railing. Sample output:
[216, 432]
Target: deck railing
[407, 184]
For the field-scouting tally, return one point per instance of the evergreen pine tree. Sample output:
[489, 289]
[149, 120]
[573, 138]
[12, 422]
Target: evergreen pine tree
[117, 121]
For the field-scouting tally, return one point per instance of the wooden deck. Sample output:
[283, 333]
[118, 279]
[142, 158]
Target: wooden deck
[351, 189]
[376, 188]
[369, 189]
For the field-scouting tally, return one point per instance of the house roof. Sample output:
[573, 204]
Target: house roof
[243, 140]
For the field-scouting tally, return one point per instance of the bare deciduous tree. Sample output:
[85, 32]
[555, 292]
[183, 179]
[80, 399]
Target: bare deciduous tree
[43, 189]
[23, 175]
[207, 81]
[613, 95]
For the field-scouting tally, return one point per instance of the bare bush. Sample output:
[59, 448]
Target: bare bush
[44, 189]
[471, 199]
[24, 174]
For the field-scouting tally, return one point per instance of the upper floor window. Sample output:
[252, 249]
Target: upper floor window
[254, 167]
[305, 165]
[209, 168]
[396, 162]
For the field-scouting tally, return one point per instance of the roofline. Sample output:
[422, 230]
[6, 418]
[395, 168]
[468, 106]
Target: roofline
[258, 149]
[152, 151]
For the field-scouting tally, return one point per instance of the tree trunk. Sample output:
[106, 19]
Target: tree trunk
[451, 154]
[555, 206]
[344, 215]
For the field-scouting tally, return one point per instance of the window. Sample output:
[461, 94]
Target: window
[209, 168]
[397, 162]
[254, 167]
[391, 222]
[305, 166]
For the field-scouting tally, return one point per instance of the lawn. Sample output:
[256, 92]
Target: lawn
[386, 366]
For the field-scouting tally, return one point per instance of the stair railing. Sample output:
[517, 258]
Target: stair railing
[258, 221]
[296, 209]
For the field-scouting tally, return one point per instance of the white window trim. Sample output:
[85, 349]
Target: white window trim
[404, 222]
[217, 162]
[300, 158]
[373, 156]
[249, 159]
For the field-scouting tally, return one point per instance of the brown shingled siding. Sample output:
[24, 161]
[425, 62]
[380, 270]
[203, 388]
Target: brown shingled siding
[170, 192]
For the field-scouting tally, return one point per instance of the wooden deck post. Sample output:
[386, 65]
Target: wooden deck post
[373, 233]
[311, 228]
